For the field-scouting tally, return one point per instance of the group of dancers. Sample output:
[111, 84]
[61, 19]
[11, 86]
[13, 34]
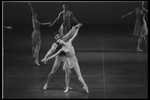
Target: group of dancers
[62, 49]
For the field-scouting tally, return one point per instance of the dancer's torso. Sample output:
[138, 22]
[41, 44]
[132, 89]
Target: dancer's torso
[66, 17]
[140, 14]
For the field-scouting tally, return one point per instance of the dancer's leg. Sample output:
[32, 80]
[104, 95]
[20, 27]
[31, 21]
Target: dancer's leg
[37, 49]
[77, 70]
[145, 42]
[139, 43]
[56, 64]
[67, 78]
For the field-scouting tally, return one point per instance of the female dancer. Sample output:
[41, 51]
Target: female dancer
[55, 48]
[36, 36]
[140, 29]
[70, 60]
[66, 25]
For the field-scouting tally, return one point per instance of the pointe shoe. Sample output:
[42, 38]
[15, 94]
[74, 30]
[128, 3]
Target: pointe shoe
[138, 49]
[66, 90]
[37, 63]
[45, 87]
[86, 89]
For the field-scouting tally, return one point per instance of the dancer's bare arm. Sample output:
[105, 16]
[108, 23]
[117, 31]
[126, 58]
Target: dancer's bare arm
[52, 56]
[74, 18]
[145, 10]
[56, 19]
[70, 33]
[76, 32]
[130, 13]
[51, 50]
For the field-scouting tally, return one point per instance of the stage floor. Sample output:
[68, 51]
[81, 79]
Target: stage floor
[109, 64]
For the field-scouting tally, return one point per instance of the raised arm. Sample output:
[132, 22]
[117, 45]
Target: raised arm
[56, 19]
[32, 10]
[129, 13]
[48, 23]
[76, 32]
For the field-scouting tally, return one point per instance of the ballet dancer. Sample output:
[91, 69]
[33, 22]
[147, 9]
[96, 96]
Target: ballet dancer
[36, 36]
[59, 58]
[70, 60]
[140, 29]
[66, 25]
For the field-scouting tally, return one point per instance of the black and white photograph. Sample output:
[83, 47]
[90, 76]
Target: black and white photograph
[74, 49]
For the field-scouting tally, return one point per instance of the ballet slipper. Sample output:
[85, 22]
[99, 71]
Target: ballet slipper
[45, 87]
[66, 90]
[86, 89]
[37, 63]
[138, 49]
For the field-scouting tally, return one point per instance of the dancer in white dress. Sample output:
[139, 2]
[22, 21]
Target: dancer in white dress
[140, 29]
[70, 60]
[36, 36]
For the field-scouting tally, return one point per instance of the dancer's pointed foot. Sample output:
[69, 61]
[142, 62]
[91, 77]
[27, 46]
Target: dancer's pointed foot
[37, 63]
[86, 89]
[138, 49]
[45, 87]
[66, 90]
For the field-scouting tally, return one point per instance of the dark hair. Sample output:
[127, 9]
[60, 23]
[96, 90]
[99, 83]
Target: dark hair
[65, 5]
[55, 33]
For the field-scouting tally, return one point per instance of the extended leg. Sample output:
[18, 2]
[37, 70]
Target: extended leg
[57, 62]
[77, 70]
[139, 44]
[37, 49]
[67, 78]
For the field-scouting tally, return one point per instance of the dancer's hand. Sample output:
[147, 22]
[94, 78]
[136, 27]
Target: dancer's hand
[50, 23]
[29, 4]
[10, 27]
[44, 61]
[123, 16]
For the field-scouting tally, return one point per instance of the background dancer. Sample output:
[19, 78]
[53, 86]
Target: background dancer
[36, 36]
[140, 29]
[66, 25]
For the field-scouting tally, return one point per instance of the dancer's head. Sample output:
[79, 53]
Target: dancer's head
[141, 3]
[60, 41]
[56, 36]
[65, 7]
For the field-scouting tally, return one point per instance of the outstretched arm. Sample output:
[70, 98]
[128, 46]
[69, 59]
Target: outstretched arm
[145, 10]
[31, 7]
[46, 59]
[56, 19]
[48, 23]
[129, 13]
[8, 27]
[74, 18]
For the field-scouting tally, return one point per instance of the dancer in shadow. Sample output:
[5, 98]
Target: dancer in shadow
[36, 35]
[140, 29]
[66, 25]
